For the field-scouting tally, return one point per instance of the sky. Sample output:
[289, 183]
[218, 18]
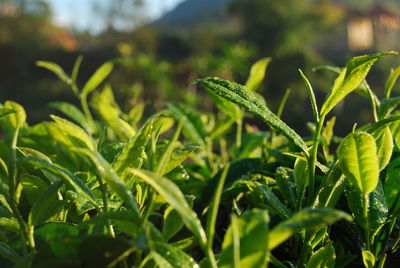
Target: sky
[79, 15]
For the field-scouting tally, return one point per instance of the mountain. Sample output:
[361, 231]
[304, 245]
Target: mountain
[191, 12]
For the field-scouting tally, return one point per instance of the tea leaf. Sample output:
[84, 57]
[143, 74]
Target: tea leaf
[132, 154]
[80, 187]
[368, 258]
[349, 79]
[193, 127]
[56, 69]
[168, 190]
[115, 183]
[359, 161]
[75, 132]
[46, 205]
[72, 112]
[384, 143]
[7, 252]
[309, 219]
[377, 207]
[4, 112]
[97, 78]
[254, 237]
[323, 257]
[174, 256]
[18, 118]
[312, 96]
[391, 81]
[242, 96]
[257, 73]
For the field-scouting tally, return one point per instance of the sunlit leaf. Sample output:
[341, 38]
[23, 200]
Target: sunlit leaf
[168, 190]
[349, 79]
[323, 257]
[254, 237]
[245, 98]
[309, 219]
[358, 160]
[257, 73]
[97, 78]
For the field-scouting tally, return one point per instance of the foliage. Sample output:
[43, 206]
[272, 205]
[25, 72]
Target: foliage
[184, 188]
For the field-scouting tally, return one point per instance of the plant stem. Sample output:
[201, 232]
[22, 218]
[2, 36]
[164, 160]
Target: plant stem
[86, 111]
[239, 123]
[26, 232]
[105, 207]
[366, 226]
[313, 158]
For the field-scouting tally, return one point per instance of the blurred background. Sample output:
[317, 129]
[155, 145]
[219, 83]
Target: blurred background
[163, 45]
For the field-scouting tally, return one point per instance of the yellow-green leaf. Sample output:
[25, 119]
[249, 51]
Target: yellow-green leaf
[349, 79]
[358, 160]
[257, 73]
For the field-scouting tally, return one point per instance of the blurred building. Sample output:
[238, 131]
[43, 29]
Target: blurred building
[378, 29]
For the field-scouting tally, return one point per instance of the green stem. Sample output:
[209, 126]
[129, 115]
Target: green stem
[313, 158]
[239, 123]
[26, 232]
[365, 216]
[86, 111]
[109, 227]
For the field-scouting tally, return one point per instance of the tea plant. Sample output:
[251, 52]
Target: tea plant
[186, 188]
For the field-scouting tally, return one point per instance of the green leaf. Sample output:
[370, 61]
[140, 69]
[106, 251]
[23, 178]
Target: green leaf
[323, 257]
[56, 69]
[80, 187]
[331, 188]
[78, 135]
[166, 156]
[116, 184]
[245, 98]
[33, 186]
[391, 186]
[75, 69]
[384, 143]
[7, 252]
[133, 153]
[257, 73]
[228, 108]
[254, 237]
[46, 205]
[387, 106]
[348, 80]
[172, 223]
[395, 130]
[72, 112]
[109, 111]
[97, 78]
[358, 160]
[178, 156]
[284, 180]
[309, 219]
[368, 258]
[391, 81]
[168, 190]
[18, 118]
[4, 112]
[377, 207]
[33, 152]
[174, 256]
[265, 197]
[193, 127]
[312, 97]
[8, 221]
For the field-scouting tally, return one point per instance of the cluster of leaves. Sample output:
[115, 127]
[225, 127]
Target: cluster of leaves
[109, 191]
